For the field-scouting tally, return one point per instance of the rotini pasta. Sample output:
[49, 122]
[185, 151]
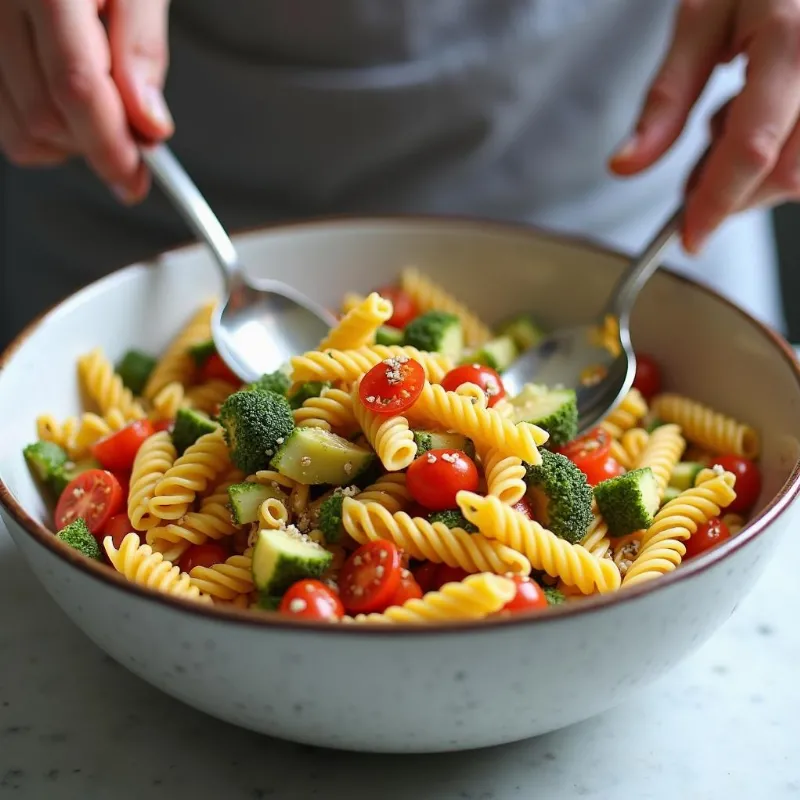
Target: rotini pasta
[626, 415]
[209, 395]
[390, 436]
[156, 455]
[227, 581]
[662, 453]
[357, 327]
[169, 401]
[105, 387]
[505, 476]
[332, 410]
[389, 491]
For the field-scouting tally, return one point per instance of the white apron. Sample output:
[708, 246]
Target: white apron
[507, 109]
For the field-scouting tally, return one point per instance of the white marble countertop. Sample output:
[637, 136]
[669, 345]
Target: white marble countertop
[74, 724]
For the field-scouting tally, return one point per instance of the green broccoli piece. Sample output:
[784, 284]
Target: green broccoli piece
[435, 440]
[523, 329]
[330, 516]
[497, 353]
[277, 382]
[560, 496]
[256, 424]
[628, 501]
[202, 351]
[554, 596]
[306, 391]
[189, 426]
[45, 459]
[78, 536]
[436, 332]
[134, 368]
[555, 410]
[452, 518]
[269, 602]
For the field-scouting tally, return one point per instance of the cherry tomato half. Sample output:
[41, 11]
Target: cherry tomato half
[118, 450]
[425, 576]
[748, 482]
[485, 377]
[524, 508]
[408, 589]
[203, 555]
[447, 574]
[648, 376]
[436, 477]
[216, 369]
[405, 309]
[118, 527]
[369, 579]
[529, 595]
[589, 454]
[94, 495]
[124, 480]
[610, 468]
[311, 599]
[163, 425]
[706, 536]
[392, 386]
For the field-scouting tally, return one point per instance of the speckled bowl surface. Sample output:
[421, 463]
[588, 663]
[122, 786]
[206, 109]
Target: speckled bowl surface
[446, 687]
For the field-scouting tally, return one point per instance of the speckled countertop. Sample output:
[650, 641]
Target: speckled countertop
[74, 724]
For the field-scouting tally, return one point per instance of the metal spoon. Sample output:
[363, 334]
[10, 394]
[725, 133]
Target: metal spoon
[573, 357]
[262, 323]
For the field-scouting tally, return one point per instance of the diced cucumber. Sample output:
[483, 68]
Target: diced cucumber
[434, 440]
[268, 602]
[44, 459]
[190, 425]
[498, 354]
[134, 368]
[555, 410]
[315, 456]
[281, 557]
[670, 493]
[246, 499]
[523, 329]
[306, 391]
[629, 501]
[684, 474]
[388, 336]
[70, 470]
[202, 351]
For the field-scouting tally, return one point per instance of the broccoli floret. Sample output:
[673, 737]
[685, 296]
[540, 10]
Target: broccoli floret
[277, 382]
[453, 518]
[554, 596]
[268, 602]
[555, 410]
[77, 535]
[560, 496]
[44, 459]
[523, 329]
[189, 426]
[628, 501]
[306, 391]
[437, 332]
[134, 368]
[202, 351]
[330, 515]
[256, 424]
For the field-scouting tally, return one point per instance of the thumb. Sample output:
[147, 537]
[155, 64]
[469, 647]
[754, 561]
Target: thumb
[137, 31]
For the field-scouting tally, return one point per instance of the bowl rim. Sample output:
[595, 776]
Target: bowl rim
[247, 617]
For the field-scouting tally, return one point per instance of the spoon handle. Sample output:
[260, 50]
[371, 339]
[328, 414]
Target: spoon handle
[637, 274]
[192, 206]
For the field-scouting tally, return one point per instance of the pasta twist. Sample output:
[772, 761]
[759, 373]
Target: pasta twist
[706, 427]
[574, 564]
[664, 450]
[390, 437]
[177, 364]
[226, 581]
[76, 435]
[210, 395]
[505, 476]
[388, 491]
[156, 455]
[429, 296]
[483, 425]
[734, 522]
[662, 546]
[189, 475]
[298, 499]
[349, 365]
[350, 301]
[332, 410]
[269, 477]
[626, 415]
[49, 429]
[139, 564]
[169, 400]
[105, 387]
[357, 327]
[172, 551]
[435, 542]
[597, 541]
[476, 597]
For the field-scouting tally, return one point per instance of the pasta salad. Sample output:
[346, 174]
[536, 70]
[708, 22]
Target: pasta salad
[387, 476]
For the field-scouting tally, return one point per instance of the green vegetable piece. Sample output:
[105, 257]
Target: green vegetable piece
[70, 470]
[277, 382]
[452, 518]
[436, 332]
[330, 516]
[44, 459]
[306, 391]
[628, 501]
[685, 474]
[246, 499]
[269, 602]
[670, 493]
[653, 424]
[281, 557]
[134, 368]
[555, 597]
[78, 536]
[388, 336]
[202, 351]
[523, 330]
[555, 410]
[189, 426]
[497, 353]
[434, 440]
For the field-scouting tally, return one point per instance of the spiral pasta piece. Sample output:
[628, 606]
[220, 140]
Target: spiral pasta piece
[332, 410]
[390, 436]
[734, 522]
[177, 364]
[388, 491]
[349, 365]
[597, 541]
[105, 387]
[703, 426]
[574, 564]
[189, 475]
[172, 551]
[664, 450]
[156, 455]
[169, 401]
[483, 425]
[209, 395]
[350, 301]
[429, 296]
[505, 476]
[227, 581]
[49, 429]
[139, 564]
[662, 545]
[626, 415]
[634, 442]
[435, 542]
[476, 597]
[357, 327]
[269, 477]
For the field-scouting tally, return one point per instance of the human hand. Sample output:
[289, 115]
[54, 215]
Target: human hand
[754, 157]
[69, 87]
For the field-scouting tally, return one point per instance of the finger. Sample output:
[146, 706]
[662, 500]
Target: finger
[783, 183]
[74, 49]
[17, 146]
[139, 59]
[757, 125]
[698, 44]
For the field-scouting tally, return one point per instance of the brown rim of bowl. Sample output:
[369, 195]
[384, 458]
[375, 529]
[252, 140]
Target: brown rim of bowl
[102, 572]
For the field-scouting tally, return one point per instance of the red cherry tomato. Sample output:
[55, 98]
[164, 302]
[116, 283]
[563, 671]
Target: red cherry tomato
[648, 376]
[203, 555]
[118, 527]
[392, 386]
[404, 307]
[408, 589]
[370, 577]
[215, 368]
[124, 480]
[611, 468]
[118, 450]
[748, 482]
[163, 425]
[485, 377]
[706, 536]
[94, 495]
[416, 510]
[447, 574]
[524, 508]
[425, 576]
[589, 454]
[436, 477]
[311, 599]
[529, 595]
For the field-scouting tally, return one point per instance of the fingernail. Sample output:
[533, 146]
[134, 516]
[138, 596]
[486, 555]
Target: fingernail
[627, 149]
[123, 194]
[696, 241]
[156, 107]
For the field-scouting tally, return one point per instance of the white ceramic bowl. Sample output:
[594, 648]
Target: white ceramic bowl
[446, 687]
